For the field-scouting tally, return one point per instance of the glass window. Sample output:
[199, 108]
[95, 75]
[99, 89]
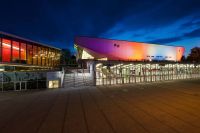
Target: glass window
[0, 50]
[29, 54]
[53, 57]
[39, 55]
[15, 51]
[49, 57]
[57, 58]
[53, 83]
[35, 55]
[43, 56]
[23, 52]
[6, 50]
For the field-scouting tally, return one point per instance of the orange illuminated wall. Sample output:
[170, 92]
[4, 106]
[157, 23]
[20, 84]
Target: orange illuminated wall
[23, 51]
[6, 50]
[179, 51]
[15, 51]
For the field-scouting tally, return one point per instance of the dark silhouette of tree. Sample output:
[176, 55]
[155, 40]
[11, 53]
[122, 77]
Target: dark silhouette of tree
[183, 59]
[65, 56]
[73, 57]
[194, 55]
[68, 59]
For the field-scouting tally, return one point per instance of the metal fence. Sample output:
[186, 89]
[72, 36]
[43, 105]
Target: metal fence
[123, 73]
[78, 77]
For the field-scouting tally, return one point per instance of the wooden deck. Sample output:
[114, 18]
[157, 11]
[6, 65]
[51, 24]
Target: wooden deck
[168, 107]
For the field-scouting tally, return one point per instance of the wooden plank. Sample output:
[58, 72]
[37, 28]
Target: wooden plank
[152, 124]
[75, 121]
[119, 120]
[164, 106]
[53, 123]
[32, 117]
[16, 105]
[97, 122]
[179, 101]
[163, 116]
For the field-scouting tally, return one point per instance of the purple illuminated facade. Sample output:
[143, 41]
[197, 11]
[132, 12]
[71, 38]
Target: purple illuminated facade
[98, 48]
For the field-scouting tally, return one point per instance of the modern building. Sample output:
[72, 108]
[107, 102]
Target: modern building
[26, 64]
[108, 49]
[17, 53]
[110, 62]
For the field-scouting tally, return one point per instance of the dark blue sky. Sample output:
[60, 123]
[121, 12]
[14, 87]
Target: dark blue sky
[56, 22]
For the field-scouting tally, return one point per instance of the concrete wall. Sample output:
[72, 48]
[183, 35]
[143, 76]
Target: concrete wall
[58, 75]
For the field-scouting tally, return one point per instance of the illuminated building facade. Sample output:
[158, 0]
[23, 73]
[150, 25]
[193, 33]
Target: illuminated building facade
[23, 53]
[107, 49]
[112, 62]
[25, 64]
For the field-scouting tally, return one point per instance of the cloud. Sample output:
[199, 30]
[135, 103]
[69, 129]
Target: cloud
[191, 24]
[166, 40]
[57, 22]
[193, 34]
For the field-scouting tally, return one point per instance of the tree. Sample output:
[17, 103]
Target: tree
[65, 56]
[68, 59]
[194, 55]
[183, 58]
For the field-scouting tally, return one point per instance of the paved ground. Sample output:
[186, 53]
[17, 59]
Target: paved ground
[168, 107]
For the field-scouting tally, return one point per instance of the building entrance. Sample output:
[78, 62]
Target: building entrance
[19, 86]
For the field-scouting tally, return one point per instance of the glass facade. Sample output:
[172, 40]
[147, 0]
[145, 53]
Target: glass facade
[23, 52]
[124, 73]
[35, 55]
[6, 50]
[29, 54]
[14, 50]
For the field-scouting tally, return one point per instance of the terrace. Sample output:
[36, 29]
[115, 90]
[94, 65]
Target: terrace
[170, 106]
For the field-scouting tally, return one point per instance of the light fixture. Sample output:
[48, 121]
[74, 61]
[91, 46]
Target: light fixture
[8, 45]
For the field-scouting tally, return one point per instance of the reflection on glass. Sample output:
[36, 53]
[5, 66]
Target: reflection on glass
[43, 57]
[15, 51]
[35, 55]
[23, 53]
[6, 50]
[39, 55]
[29, 54]
[32, 54]
[0, 50]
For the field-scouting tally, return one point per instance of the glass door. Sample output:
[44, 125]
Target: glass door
[20, 86]
[23, 86]
[17, 86]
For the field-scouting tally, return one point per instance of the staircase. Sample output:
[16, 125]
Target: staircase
[77, 78]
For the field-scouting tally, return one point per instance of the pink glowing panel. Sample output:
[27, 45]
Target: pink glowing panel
[126, 50]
